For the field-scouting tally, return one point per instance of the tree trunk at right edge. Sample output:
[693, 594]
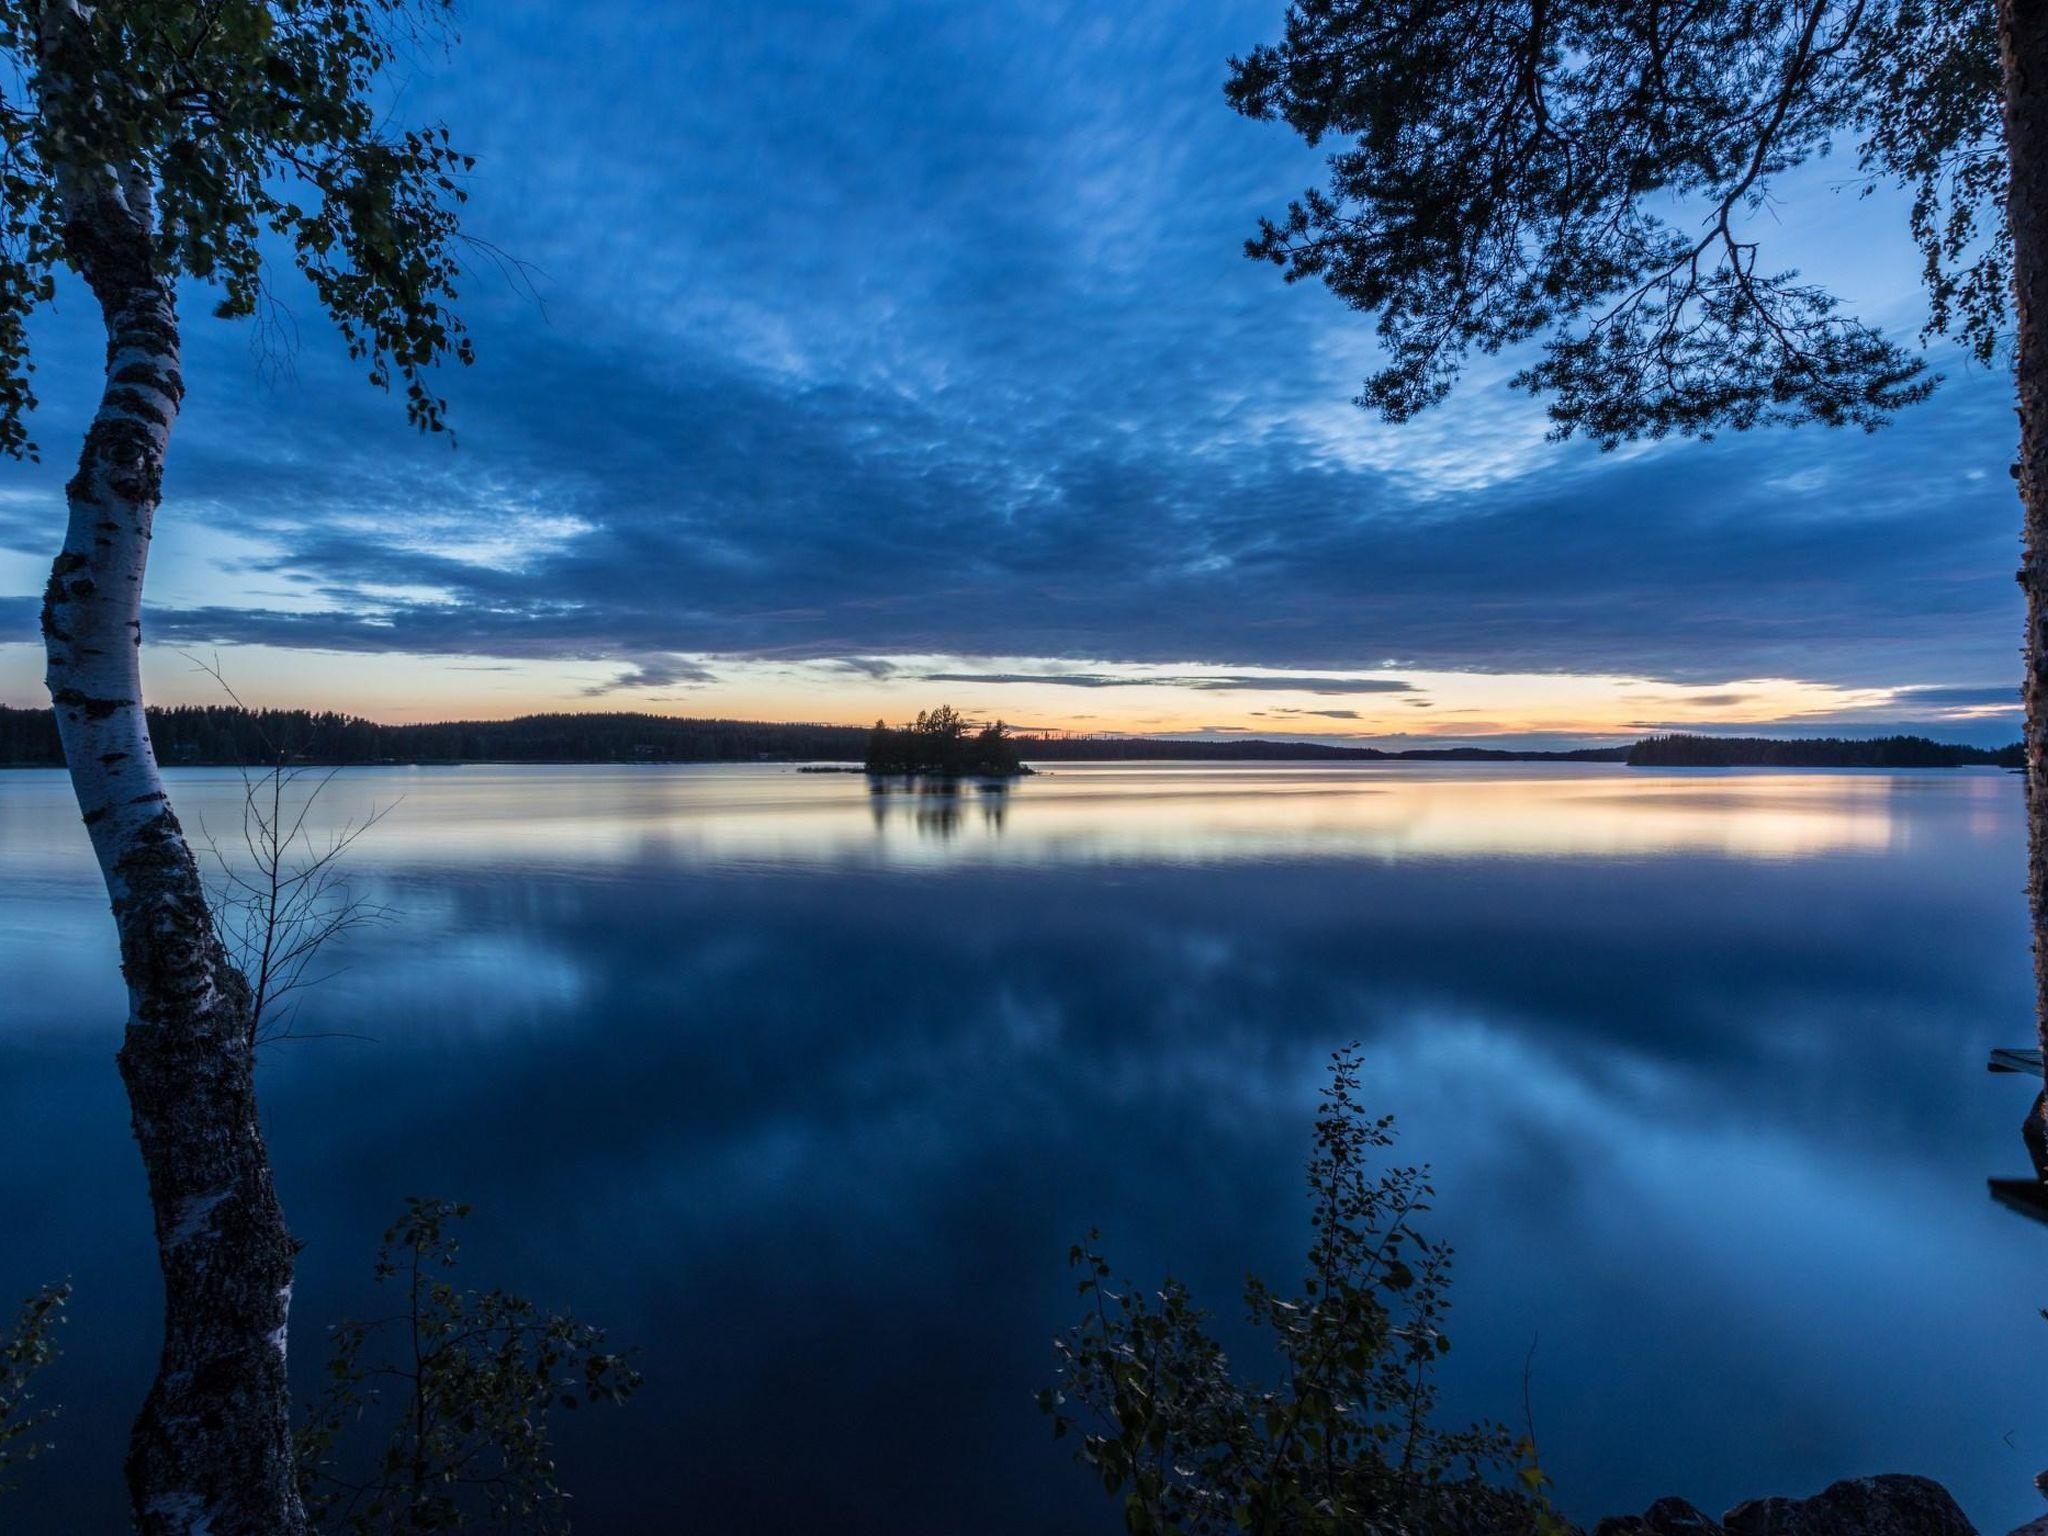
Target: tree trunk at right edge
[211, 1452]
[2023, 44]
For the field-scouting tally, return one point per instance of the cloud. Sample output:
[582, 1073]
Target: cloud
[1200, 682]
[735, 517]
[1066, 420]
[1997, 693]
[661, 672]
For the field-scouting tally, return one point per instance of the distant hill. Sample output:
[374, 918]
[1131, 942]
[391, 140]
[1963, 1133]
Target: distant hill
[224, 734]
[1819, 752]
[1115, 749]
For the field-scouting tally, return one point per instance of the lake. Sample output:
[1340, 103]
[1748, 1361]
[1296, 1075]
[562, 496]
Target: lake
[804, 1091]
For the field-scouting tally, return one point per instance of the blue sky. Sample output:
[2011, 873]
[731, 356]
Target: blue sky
[879, 355]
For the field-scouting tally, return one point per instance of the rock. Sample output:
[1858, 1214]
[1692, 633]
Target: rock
[1666, 1517]
[2034, 1528]
[1891, 1505]
[2034, 1132]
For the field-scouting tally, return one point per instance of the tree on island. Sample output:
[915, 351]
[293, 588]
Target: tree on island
[141, 144]
[1505, 175]
[941, 742]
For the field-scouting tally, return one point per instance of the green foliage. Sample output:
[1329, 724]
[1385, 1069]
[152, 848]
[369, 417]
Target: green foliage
[1591, 173]
[1346, 1442]
[940, 741]
[24, 1350]
[227, 128]
[1932, 95]
[461, 1383]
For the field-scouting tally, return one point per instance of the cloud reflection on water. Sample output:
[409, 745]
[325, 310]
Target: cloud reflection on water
[808, 1099]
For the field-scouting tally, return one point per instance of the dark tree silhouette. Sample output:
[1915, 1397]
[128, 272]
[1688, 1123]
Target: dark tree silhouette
[941, 742]
[216, 734]
[1816, 752]
[224, 735]
[459, 1385]
[1347, 1439]
[1583, 175]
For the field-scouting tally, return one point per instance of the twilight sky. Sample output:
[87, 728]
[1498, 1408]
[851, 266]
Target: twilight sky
[878, 355]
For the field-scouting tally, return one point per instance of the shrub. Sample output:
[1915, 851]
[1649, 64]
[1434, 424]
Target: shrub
[1346, 1442]
[463, 1383]
[25, 1349]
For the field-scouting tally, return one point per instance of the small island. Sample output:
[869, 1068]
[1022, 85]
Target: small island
[941, 744]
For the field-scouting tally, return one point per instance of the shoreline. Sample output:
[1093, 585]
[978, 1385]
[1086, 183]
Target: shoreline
[812, 765]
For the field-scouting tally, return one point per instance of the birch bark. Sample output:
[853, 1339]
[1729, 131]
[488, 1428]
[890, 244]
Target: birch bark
[210, 1454]
[2023, 44]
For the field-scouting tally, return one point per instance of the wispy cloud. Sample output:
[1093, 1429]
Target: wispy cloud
[867, 666]
[1199, 682]
[2005, 694]
[653, 672]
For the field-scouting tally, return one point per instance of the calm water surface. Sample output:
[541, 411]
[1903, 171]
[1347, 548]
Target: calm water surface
[805, 1092]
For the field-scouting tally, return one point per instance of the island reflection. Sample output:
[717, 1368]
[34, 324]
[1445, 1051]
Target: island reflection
[936, 807]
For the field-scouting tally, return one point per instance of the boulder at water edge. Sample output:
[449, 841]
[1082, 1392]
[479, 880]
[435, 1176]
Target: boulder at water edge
[1891, 1505]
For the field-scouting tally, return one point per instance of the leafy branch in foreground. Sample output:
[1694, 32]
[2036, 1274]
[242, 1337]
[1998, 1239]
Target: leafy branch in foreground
[462, 1383]
[24, 1350]
[219, 139]
[1346, 1442]
[1597, 178]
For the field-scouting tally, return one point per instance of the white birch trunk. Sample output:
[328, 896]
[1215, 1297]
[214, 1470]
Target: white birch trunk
[2023, 47]
[211, 1450]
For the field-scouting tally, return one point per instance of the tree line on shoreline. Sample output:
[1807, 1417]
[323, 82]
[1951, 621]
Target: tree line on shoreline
[1817, 752]
[217, 735]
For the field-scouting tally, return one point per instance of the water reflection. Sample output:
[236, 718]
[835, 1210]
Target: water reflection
[935, 807]
[1144, 813]
[806, 1088]
[2027, 1195]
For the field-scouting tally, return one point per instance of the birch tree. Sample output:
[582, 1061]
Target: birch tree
[149, 147]
[1583, 177]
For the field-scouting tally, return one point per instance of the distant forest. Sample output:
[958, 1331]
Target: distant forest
[1824, 752]
[224, 734]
